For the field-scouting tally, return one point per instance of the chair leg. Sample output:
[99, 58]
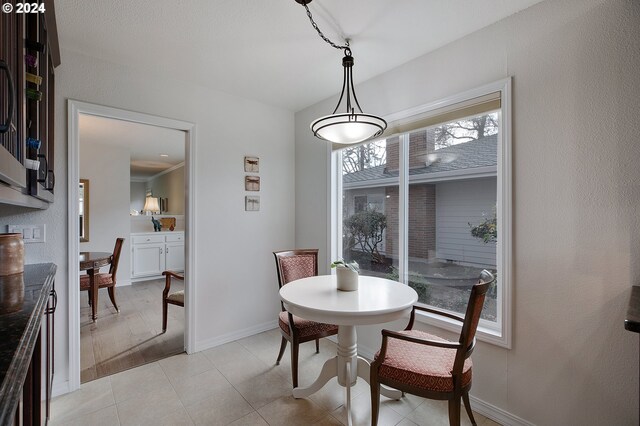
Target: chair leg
[454, 411]
[467, 406]
[294, 363]
[283, 346]
[164, 315]
[317, 346]
[375, 399]
[112, 296]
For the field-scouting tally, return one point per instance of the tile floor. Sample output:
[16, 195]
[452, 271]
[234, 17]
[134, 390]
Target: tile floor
[235, 384]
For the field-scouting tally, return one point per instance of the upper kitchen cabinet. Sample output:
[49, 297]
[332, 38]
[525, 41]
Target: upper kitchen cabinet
[29, 53]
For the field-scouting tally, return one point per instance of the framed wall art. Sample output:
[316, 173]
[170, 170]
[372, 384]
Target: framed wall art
[251, 164]
[252, 203]
[252, 183]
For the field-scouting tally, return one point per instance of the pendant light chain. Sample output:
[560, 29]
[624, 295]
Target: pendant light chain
[347, 127]
[346, 47]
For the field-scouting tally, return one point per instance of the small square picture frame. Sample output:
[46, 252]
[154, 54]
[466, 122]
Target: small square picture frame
[252, 183]
[252, 203]
[252, 164]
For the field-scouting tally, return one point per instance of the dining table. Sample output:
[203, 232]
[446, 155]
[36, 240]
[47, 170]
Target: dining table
[376, 301]
[92, 261]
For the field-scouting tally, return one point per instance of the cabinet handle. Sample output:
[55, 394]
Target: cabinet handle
[167, 250]
[50, 183]
[52, 310]
[7, 124]
[42, 172]
[160, 251]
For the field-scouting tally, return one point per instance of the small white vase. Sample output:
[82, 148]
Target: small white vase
[347, 279]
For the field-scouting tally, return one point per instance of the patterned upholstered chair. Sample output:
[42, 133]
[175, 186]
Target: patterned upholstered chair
[292, 265]
[176, 298]
[105, 279]
[428, 366]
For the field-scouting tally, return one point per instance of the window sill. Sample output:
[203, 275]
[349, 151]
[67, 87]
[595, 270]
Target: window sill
[484, 333]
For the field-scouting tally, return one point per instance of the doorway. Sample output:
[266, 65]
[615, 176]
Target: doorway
[130, 337]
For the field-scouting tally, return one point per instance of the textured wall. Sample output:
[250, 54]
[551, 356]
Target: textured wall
[576, 197]
[227, 238]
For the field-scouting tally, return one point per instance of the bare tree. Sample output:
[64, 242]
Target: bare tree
[363, 157]
[466, 130]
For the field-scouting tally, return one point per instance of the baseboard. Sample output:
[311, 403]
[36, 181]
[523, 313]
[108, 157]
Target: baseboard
[235, 335]
[488, 410]
[497, 414]
[60, 388]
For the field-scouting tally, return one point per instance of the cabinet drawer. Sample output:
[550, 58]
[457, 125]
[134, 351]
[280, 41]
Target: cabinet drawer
[174, 237]
[143, 239]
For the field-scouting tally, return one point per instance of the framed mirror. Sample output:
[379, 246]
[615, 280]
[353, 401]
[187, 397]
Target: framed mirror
[83, 196]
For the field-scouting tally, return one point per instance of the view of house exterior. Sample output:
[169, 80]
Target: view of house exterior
[452, 189]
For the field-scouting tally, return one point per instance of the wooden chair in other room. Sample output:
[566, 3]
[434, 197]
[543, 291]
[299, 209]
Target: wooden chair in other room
[293, 265]
[108, 279]
[175, 298]
[422, 364]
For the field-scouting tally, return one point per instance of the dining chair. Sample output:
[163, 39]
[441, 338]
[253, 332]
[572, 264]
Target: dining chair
[422, 364]
[176, 298]
[293, 265]
[105, 279]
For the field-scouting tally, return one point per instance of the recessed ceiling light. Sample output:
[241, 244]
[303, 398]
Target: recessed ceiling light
[164, 155]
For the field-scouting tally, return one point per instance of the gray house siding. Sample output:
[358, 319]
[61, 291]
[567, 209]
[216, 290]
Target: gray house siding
[459, 203]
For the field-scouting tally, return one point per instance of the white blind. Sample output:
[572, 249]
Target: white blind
[433, 117]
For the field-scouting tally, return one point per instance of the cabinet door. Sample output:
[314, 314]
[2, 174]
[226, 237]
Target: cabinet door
[148, 259]
[175, 256]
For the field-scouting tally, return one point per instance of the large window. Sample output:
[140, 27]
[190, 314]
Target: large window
[430, 205]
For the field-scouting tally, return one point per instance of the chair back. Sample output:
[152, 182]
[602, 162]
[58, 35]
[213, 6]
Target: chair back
[295, 264]
[471, 319]
[115, 258]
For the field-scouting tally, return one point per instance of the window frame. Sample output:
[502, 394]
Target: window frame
[501, 335]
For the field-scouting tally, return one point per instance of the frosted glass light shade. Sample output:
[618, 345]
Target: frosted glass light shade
[348, 128]
[151, 205]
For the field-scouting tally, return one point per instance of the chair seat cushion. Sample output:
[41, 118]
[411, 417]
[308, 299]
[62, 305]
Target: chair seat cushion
[177, 296]
[103, 280]
[422, 366]
[305, 327]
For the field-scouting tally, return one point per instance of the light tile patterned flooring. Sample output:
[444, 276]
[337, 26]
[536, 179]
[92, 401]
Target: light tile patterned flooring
[133, 337]
[235, 384]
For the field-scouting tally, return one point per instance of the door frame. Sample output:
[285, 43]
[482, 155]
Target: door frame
[74, 110]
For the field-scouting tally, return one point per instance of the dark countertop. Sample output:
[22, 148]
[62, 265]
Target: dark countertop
[20, 319]
[632, 320]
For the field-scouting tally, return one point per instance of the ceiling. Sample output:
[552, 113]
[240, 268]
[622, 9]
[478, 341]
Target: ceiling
[144, 142]
[266, 49]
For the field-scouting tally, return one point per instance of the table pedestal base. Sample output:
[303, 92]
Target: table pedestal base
[347, 367]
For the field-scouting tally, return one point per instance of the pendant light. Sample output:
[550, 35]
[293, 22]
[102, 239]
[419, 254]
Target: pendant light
[350, 126]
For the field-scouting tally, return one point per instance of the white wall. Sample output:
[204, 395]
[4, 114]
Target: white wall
[137, 194]
[458, 204]
[171, 186]
[576, 197]
[232, 298]
[107, 168]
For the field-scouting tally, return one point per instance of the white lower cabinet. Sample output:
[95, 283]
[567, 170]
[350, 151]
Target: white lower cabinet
[153, 253]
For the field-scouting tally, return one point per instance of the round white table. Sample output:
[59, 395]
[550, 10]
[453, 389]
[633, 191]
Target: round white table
[376, 301]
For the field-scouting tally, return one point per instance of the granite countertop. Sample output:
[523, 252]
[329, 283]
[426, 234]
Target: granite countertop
[20, 318]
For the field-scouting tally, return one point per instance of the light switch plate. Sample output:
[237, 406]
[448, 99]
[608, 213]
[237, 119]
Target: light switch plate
[30, 233]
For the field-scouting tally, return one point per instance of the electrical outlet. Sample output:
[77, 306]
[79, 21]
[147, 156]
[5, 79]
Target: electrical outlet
[30, 233]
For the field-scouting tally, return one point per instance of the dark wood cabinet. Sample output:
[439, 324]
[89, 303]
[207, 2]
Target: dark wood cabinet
[27, 347]
[29, 53]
